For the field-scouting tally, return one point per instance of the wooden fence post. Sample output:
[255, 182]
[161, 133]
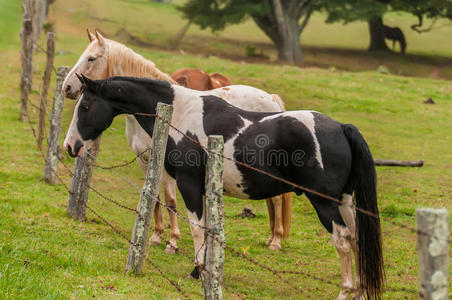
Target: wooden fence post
[55, 127]
[26, 65]
[214, 259]
[81, 179]
[45, 86]
[433, 253]
[151, 189]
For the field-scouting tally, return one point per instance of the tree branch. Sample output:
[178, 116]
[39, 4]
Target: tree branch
[308, 13]
[266, 25]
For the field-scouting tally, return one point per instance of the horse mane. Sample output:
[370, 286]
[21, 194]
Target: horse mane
[132, 63]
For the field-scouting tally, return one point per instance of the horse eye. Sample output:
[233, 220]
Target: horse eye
[84, 107]
[91, 58]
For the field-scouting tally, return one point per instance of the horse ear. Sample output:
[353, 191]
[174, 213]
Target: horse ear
[90, 84]
[182, 81]
[100, 38]
[91, 36]
[81, 78]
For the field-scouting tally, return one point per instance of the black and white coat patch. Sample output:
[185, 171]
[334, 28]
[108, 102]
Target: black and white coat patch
[321, 154]
[295, 134]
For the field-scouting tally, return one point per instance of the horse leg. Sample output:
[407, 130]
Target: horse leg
[271, 216]
[348, 213]
[278, 228]
[393, 45]
[341, 239]
[331, 218]
[169, 186]
[191, 186]
[158, 225]
[158, 220]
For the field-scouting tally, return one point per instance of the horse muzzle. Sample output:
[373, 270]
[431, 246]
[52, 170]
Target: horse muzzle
[71, 91]
[76, 149]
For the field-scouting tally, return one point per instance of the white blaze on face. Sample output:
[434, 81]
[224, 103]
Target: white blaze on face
[94, 70]
[73, 134]
[71, 79]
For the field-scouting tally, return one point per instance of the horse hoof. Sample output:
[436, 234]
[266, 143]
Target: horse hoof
[154, 240]
[269, 241]
[274, 247]
[195, 273]
[170, 249]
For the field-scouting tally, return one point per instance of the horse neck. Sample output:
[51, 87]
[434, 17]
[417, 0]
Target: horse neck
[123, 61]
[144, 100]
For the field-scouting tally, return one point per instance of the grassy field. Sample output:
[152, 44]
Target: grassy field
[44, 254]
[324, 45]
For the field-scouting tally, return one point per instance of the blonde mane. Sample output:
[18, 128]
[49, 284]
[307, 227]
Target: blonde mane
[123, 60]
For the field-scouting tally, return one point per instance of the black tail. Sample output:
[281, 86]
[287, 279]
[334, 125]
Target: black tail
[364, 181]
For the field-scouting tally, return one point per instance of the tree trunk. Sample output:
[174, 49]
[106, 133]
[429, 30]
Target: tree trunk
[289, 48]
[377, 36]
[281, 25]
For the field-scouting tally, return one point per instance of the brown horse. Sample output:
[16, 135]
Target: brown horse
[279, 208]
[197, 79]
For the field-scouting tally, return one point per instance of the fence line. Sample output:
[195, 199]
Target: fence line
[235, 252]
[109, 224]
[209, 231]
[45, 86]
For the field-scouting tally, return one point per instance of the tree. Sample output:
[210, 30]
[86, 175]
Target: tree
[373, 11]
[281, 20]
[433, 9]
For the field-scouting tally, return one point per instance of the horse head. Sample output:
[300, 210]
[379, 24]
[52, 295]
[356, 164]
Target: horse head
[92, 115]
[92, 63]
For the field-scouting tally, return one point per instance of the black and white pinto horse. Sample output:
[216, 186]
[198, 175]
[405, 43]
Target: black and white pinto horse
[304, 147]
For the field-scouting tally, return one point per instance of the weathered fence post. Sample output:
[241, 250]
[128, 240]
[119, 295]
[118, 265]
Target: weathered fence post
[26, 65]
[433, 253]
[214, 220]
[81, 179]
[151, 189]
[45, 86]
[55, 126]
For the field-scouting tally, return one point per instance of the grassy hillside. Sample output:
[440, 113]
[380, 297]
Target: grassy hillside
[324, 45]
[44, 254]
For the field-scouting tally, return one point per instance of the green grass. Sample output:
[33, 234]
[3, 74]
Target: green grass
[324, 45]
[45, 254]
[10, 21]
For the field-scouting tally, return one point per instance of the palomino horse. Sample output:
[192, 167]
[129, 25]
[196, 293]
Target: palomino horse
[279, 208]
[197, 79]
[304, 147]
[104, 58]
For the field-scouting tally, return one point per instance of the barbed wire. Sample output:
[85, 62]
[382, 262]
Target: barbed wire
[233, 251]
[109, 199]
[123, 164]
[279, 178]
[192, 260]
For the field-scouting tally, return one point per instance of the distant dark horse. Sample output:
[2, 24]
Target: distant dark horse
[396, 35]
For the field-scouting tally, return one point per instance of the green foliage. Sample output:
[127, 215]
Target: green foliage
[352, 10]
[217, 14]
[427, 9]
